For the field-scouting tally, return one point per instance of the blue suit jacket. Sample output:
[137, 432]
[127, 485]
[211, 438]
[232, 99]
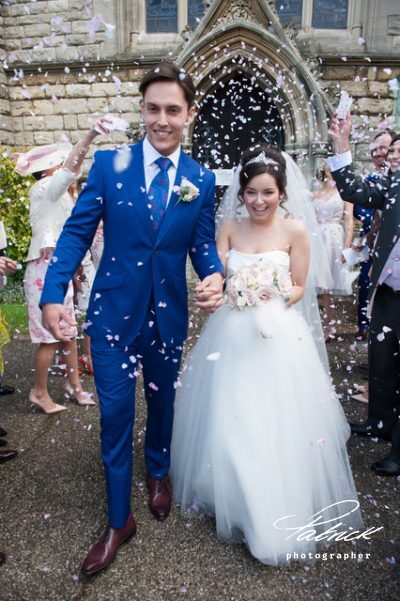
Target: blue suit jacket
[136, 263]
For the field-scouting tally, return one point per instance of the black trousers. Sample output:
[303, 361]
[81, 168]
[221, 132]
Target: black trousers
[384, 360]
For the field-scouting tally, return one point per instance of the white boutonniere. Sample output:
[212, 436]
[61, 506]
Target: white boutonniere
[187, 191]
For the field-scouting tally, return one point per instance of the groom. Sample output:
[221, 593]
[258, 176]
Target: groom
[138, 307]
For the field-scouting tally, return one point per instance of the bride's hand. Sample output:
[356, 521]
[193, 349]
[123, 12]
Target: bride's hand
[208, 293]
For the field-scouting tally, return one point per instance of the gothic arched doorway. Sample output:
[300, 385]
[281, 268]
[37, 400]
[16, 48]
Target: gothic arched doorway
[231, 118]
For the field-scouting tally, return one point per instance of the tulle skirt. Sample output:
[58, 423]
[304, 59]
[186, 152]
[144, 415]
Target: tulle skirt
[341, 276]
[259, 433]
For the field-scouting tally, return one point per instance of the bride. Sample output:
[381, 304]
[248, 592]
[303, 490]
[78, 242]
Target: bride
[259, 438]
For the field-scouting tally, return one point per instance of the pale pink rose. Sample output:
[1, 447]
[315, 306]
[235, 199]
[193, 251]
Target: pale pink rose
[265, 278]
[251, 297]
[266, 293]
[188, 190]
[232, 298]
[238, 282]
[267, 272]
[284, 283]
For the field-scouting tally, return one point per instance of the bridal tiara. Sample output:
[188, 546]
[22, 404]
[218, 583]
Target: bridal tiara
[262, 158]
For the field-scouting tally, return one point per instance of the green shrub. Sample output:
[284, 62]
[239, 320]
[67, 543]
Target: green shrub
[14, 208]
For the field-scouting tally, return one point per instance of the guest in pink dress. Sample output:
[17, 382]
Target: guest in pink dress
[55, 167]
[335, 224]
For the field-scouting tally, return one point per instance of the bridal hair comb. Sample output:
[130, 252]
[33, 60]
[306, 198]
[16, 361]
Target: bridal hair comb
[262, 158]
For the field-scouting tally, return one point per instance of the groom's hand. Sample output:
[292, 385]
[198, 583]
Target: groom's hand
[55, 319]
[209, 292]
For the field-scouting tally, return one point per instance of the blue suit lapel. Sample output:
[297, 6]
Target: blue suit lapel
[136, 177]
[184, 169]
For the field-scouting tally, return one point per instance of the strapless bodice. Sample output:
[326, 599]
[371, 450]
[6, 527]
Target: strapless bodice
[238, 259]
[330, 210]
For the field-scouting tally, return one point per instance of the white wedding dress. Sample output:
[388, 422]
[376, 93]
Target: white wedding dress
[258, 432]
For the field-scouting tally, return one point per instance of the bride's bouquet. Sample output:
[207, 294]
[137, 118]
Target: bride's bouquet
[255, 284]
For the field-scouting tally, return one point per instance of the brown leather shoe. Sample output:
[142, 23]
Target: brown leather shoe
[159, 498]
[104, 551]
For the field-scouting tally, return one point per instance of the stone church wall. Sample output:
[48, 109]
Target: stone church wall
[61, 67]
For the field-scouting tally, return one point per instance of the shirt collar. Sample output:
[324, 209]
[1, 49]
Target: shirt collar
[150, 154]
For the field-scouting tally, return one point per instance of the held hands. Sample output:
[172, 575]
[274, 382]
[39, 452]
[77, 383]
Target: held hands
[7, 266]
[339, 133]
[55, 319]
[209, 293]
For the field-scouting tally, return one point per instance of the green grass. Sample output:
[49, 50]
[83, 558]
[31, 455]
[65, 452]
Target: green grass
[17, 317]
[13, 292]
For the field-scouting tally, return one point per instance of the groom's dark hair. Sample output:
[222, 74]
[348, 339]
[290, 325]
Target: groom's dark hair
[168, 71]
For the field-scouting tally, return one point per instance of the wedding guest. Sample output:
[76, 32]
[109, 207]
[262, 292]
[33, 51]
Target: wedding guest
[259, 437]
[5, 454]
[55, 167]
[89, 273]
[4, 339]
[82, 283]
[335, 222]
[390, 465]
[384, 293]
[7, 267]
[393, 156]
[379, 149]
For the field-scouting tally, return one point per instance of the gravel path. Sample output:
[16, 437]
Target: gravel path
[52, 508]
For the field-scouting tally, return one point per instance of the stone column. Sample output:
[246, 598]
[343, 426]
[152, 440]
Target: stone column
[6, 130]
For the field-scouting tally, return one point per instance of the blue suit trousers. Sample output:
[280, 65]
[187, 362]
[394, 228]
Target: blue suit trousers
[115, 371]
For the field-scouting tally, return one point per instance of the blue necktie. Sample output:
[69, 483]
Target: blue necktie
[158, 192]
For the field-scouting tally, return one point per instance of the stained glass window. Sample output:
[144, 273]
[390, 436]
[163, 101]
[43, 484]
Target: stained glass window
[330, 14]
[196, 9]
[289, 11]
[161, 16]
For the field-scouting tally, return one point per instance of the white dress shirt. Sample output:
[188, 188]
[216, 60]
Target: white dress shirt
[338, 161]
[150, 155]
[391, 272]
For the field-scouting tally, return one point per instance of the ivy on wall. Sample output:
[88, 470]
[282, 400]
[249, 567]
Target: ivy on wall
[14, 208]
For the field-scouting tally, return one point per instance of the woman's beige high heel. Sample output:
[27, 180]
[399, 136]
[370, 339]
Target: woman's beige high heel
[81, 397]
[35, 401]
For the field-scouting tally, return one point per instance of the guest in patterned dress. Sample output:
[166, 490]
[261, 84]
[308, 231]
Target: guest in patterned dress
[54, 167]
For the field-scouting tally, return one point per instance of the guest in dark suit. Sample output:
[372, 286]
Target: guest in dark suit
[384, 291]
[7, 266]
[379, 149]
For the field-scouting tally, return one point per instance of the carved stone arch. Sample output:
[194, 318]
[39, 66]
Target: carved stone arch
[272, 61]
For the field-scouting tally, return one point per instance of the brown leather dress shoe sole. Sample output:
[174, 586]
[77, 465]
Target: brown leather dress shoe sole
[103, 553]
[159, 498]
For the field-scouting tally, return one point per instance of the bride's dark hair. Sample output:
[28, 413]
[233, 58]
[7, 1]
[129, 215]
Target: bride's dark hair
[251, 167]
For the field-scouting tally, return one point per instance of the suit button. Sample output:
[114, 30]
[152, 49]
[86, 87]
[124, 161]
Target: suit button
[156, 250]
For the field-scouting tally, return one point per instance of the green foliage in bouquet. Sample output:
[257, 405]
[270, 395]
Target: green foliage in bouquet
[14, 208]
